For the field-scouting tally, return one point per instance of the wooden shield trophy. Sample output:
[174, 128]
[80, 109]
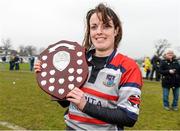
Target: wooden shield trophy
[64, 67]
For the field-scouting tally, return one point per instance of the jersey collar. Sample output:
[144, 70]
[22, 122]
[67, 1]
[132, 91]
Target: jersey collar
[109, 59]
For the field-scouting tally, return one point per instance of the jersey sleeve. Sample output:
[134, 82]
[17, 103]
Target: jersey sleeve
[130, 90]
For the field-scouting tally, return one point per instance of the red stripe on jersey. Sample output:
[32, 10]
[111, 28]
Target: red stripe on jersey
[132, 72]
[85, 119]
[100, 94]
[134, 99]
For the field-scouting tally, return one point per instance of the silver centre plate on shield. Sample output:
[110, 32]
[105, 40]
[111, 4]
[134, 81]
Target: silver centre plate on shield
[61, 60]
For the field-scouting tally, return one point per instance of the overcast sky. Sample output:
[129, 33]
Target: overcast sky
[44, 22]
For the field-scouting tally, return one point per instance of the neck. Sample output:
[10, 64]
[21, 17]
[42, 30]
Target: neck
[104, 53]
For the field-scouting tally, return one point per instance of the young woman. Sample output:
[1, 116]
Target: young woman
[110, 98]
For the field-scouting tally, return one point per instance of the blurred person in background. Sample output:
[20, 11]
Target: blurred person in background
[147, 67]
[31, 62]
[11, 62]
[155, 61]
[170, 70]
[16, 62]
[3, 59]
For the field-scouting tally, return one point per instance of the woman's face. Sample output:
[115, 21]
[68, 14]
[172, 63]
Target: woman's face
[169, 55]
[102, 35]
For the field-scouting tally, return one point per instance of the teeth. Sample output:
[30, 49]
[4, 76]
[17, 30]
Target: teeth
[100, 39]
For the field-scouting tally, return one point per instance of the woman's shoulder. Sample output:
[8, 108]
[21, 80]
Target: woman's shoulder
[124, 60]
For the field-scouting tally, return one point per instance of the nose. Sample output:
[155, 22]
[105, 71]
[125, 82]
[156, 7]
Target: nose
[99, 30]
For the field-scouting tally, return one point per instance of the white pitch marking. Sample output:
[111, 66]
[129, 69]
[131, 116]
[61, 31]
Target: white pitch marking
[11, 125]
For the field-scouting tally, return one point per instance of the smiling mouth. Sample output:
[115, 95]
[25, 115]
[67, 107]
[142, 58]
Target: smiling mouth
[100, 38]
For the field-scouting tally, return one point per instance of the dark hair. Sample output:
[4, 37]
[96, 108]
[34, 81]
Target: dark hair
[106, 13]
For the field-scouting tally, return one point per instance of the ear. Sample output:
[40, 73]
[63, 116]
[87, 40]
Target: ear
[116, 31]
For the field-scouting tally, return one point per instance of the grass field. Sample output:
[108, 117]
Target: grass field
[23, 103]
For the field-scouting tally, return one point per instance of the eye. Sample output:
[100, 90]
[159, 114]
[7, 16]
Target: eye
[107, 25]
[93, 27]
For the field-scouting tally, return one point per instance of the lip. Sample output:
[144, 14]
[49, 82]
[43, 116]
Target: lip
[100, 38]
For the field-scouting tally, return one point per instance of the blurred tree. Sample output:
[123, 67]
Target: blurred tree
[41, 49]
[31, 50]
[160, 46]
[178, 49]
[6, 44]
[22, 51]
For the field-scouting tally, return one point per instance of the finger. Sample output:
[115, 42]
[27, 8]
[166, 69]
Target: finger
[37, 66]
[38, 61]
[71, 94]
[37, 70]
[77, 90]
[74, 96]
[75, 101]
[78, 94]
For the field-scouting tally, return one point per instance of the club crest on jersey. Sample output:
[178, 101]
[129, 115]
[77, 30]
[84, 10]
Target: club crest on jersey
[109, 80]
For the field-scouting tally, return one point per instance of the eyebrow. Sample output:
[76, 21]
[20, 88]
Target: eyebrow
[93, 24]
[110, 23]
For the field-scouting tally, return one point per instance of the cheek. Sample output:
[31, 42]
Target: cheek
[112, 37]
[92, 33]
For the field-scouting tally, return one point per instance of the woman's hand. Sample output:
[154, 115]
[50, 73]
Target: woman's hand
[172, 71]
[37, 66]
[77, 97]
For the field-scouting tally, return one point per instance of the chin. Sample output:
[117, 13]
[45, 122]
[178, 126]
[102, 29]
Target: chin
[101, 49]
[100, 46]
